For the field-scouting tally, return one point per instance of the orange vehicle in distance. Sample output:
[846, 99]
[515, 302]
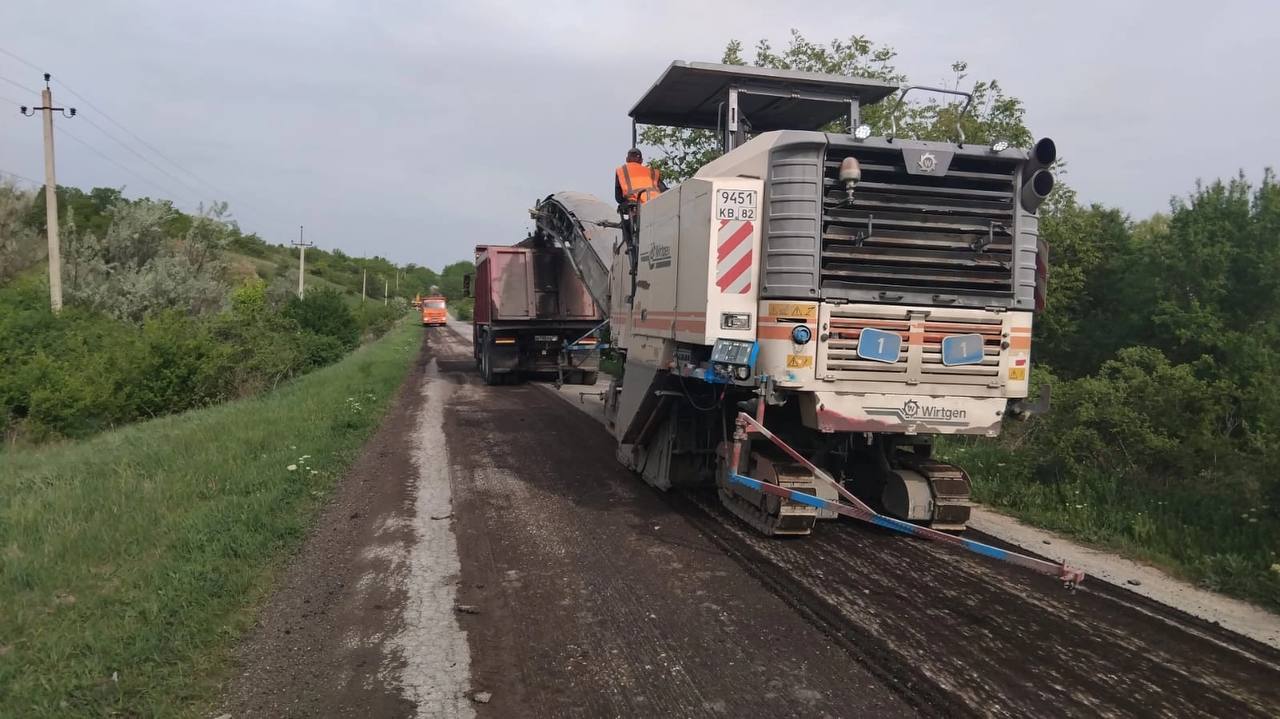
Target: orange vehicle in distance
[433, 311]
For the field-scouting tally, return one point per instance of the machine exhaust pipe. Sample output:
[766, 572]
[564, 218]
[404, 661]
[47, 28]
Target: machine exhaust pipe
[1036, 189]
[1045, 153]
[1037, 179]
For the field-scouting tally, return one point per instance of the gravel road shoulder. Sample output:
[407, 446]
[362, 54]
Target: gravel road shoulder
[322, 643]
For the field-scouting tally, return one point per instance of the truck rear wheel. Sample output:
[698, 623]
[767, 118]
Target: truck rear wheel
[486, 366]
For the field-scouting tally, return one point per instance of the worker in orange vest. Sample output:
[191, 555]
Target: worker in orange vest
[635, 182]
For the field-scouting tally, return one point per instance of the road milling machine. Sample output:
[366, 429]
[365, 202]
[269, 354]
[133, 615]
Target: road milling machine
[802, 316]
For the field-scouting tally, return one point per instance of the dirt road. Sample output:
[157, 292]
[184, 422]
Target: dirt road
[487, 555]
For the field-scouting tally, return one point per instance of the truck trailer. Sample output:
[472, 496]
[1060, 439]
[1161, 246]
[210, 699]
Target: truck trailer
[533, 316]
[805, 313]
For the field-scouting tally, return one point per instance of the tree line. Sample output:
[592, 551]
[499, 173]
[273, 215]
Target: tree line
[166, 311]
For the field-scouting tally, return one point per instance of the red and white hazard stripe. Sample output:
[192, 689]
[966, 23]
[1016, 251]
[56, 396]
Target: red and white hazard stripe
[734, 257]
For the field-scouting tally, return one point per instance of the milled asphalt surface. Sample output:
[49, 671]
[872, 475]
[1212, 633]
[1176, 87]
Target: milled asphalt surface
[489, 555]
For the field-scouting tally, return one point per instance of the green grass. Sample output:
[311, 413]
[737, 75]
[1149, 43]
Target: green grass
[276, 265]
[1215, 539]
[132, 561]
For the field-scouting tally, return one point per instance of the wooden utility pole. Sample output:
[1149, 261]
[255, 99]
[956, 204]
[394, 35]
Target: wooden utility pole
[364, 286]
[51, 192]
[302, 261]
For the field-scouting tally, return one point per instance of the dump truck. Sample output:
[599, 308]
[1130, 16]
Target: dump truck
[435, 311]
[533, 316]
[800, 318]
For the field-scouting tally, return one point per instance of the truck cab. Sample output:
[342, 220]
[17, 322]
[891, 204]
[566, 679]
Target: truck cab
[435, 313]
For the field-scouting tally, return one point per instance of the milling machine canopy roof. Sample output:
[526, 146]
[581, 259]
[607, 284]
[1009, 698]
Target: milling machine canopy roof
[697, 95]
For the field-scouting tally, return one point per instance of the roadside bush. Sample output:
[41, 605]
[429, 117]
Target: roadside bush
[463, 308]
[320, 350]
[1141, 417]
[374, 319]
[257, 353]
[325, 312]
[20, 245]
[177, 366]
[82, 372]
[152, 325]
[1146, 456]
[249, 300]
[137, 266]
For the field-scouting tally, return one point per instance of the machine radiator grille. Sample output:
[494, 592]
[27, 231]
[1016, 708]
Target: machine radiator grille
[921, 357]
[948, 234]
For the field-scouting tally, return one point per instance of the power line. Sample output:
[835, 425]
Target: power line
[88, 103]
[19, 85]
[135, 136]
[115, 162]
[140, 156]
[37, 183]
[131, 133]
[28, 63]
[218, 191]
[68, 134]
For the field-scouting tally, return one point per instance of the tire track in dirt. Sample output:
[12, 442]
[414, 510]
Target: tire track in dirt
[595, 599]
[992, 639]
[999, 641]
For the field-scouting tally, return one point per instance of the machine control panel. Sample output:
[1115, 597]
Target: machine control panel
[732, 359]
[732, 352]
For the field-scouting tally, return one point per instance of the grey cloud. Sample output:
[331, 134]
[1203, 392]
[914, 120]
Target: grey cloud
[415, 130]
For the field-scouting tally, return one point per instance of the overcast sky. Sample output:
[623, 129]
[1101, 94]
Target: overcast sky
[415, 130]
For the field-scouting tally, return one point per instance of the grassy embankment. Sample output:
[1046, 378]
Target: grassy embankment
[132, 561]
[1216, 540]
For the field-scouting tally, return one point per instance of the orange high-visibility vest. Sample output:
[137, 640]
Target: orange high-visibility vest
[639, 183]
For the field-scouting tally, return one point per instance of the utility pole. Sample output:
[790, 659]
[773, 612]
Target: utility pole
[302, 260]
[364, 286]
[51, 192]
[386, 285]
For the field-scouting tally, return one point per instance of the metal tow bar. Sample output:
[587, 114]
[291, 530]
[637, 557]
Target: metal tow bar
[858, 509]
[564, 352]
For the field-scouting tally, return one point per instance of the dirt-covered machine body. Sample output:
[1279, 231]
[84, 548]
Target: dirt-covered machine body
[725, 256]
[801, 316]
